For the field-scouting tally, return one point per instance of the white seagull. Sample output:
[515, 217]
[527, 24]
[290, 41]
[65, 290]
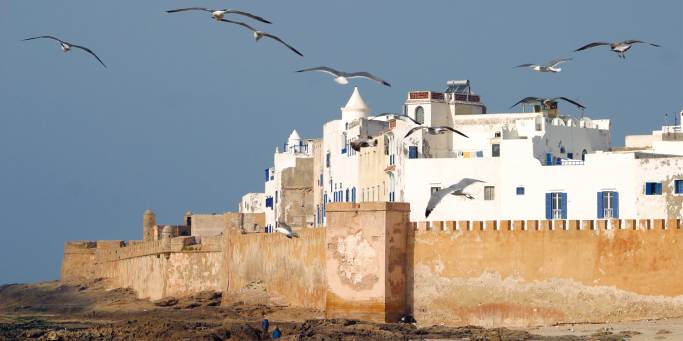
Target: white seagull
[545, 101]
[435, 130]
[66, 46]
[219, 14]
[343, 77]
[456, 189]
[550, 67]
[402, 117]
[260, 34]
[286, 230]
[619, 48]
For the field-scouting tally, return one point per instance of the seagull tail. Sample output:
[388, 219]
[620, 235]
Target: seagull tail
[295, 235]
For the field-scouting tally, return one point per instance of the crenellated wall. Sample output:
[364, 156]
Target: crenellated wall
[521, 273]
[372, 263]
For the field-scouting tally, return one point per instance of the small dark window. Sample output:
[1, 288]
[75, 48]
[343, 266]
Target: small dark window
[653, 188]
[496, 134]
[678, 186]
[412, 152]
[420, 115]
[489, 192]
[327, 160]
[495, 150]
[520, 190]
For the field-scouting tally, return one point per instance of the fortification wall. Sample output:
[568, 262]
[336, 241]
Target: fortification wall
[538, 273]
[292, 269]
[79, 261]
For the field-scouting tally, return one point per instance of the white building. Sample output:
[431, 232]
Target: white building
[535, 165]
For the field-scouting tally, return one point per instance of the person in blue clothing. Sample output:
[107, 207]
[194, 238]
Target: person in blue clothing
[264, 326]
[276, 333]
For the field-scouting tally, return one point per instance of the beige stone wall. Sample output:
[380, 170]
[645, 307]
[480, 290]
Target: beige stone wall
[291, 269]
[207, 225]
[249, 222]
[365, 258]
[296, 198]
[79, 261]
[521, 277]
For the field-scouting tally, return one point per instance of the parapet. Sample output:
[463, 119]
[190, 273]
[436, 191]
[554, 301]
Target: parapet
[80, 244]
[110, 244]
[368, 206]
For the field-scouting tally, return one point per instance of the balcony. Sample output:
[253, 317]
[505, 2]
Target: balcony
[300, 148]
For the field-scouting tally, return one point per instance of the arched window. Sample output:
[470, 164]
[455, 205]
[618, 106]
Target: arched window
[420, 114]
[583, 155]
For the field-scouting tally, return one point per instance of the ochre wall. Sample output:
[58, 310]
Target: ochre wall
[533, 277]
[291, 269]
[79, 261]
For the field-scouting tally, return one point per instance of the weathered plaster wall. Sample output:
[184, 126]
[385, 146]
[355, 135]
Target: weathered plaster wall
[531, 277]
[296, 198]
[79, 261]
[290, 269]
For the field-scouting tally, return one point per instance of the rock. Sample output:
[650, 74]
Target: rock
[166, 302]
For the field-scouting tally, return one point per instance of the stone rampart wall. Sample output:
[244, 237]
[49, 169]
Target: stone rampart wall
[521, 273]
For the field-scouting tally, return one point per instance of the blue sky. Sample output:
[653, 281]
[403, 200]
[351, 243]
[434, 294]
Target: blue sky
[189, 111]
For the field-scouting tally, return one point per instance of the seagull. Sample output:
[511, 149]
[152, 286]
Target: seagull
[402, 117]
[219, 14]
[343, 77]
[545, 101]
[619, 47]
[550, 67]
[456, 189]
[435, 130]
[66, 46]
[286, 230]
[362, 143]
[260, 34]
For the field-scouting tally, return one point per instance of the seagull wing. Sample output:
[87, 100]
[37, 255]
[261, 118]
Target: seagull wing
[455, 131]
[404, 117]
[89, 51]
[368, 75]
[282, 42]
[46, 37]
[558, 61]
[571, 101]
[412, 131]
[436, 198]
[189, 9]
[588, 46]
[527, 65]
[239, 23]
[527, 100]
[630, 42]
[247, 14]
[324, 69]
[462, 184]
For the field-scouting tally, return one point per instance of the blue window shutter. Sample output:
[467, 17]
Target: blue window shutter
[548, 159]
[658, 188]
[347, 195]
[267, 174]
[412, 152]
[548, 206]
[601, 205]
[563, 205]
[615, 204]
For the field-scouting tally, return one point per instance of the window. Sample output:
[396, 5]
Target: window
[420, 115]
[653, 188]
[583, 155]
[489, 192]
[570, 156]
[678, 186]
[269, 202]
[548, 159]
[327, 160]
[320, 183]
[480, 153]
[556, 205]
[495, 150]
[343, 143]
[412, 152]
[496, 134]
[520, 190]
[608, 204]
[267, 174]
[276, 195]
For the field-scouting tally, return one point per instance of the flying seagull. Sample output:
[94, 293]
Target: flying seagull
[343, 77]
[619, 48]
[456, 189]
[551, 66]
[402, 117]
[286, 230]
[66, 46]
[362, 143]
[545, 101]
[219, 14]
[260, 34]
[435, 130]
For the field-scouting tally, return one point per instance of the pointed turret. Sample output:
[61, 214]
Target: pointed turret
[355, 108]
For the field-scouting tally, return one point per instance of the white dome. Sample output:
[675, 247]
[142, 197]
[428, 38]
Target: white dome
[355, 108]
[294, 136]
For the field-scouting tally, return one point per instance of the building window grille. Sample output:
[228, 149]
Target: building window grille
[495, 150]
[520, 190]
[420, 115]
[489, 192]
[653, 188]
